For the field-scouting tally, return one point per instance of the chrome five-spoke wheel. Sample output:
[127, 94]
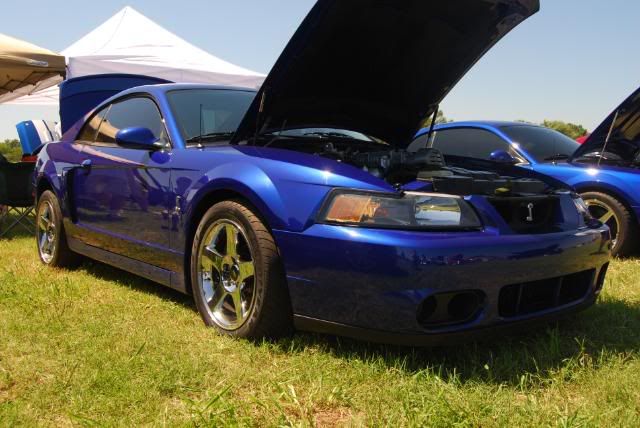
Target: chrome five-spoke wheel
[46, 232]
[50, 235]
[606, 215]
[237, 276]
[226, 274]
[614, 212]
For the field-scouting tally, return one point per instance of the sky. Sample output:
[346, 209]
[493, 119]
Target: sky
[572, 61]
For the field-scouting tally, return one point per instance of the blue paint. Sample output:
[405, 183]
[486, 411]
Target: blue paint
[619, 181]
[359, 277]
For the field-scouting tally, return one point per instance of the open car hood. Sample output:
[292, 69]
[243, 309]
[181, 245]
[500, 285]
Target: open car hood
[379, 67]
[624, 125]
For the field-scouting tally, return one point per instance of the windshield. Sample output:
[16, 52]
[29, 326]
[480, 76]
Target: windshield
[206, 116]
[542, 144]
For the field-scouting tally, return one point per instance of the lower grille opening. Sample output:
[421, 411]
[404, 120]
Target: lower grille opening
[450, 309]
[537, 296]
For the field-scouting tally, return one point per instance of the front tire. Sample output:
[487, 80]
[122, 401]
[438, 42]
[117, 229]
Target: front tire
[50, 235]
[612, 212]
[237, 276]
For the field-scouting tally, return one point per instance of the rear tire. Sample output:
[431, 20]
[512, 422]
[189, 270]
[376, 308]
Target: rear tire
[237, 275]
[50, 235]
[614, 213]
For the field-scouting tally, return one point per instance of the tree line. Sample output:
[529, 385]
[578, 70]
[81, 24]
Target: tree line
[11, 150]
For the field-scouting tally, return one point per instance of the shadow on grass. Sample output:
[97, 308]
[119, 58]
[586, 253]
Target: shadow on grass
[18, 231]
[108, 273]
[608, 331]
[595, 337]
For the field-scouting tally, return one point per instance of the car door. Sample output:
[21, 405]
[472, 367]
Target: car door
[122, 196]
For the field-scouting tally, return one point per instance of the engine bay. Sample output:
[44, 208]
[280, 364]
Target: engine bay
[399, 167]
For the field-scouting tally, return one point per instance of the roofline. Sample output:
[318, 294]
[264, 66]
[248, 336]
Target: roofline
[166, 87]
[480, 124]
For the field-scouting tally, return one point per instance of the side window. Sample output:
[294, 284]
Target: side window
[132, 112]
[90, 129]
[469, 142]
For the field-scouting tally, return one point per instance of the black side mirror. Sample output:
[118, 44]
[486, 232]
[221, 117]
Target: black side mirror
[138, 138]
[502, 156]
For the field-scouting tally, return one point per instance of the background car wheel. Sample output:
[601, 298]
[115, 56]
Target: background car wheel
[237, 276]
[50, 236]
[614, 214]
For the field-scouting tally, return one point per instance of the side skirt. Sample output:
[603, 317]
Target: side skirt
[136, 267]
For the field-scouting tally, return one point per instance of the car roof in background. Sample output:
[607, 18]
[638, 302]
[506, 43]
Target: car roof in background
[481, 124]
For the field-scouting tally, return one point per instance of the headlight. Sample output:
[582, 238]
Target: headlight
[407, 211]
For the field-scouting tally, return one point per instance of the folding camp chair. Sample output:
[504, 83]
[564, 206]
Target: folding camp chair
[16, 197]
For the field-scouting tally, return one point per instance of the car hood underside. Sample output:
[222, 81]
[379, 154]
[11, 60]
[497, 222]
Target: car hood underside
[379, 67]
[620, 132]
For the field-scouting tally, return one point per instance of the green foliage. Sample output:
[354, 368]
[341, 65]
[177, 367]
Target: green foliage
[440, 118]
[11, 150]
[99, 347]
[571, 130]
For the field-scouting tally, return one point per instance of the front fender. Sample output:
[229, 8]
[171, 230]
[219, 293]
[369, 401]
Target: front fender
[614, 188]
[248, 180]
[621, 184]
[285, 205]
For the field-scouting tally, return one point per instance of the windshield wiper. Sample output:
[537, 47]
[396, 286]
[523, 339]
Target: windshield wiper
[211, 137]
[328, 135]
[557, 157]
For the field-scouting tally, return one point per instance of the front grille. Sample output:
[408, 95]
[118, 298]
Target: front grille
[529, 215]
[537, 296]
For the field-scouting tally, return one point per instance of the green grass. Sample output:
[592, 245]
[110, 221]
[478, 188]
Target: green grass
[101, 347]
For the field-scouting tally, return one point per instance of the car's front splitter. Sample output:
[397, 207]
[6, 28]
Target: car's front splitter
[436, 339]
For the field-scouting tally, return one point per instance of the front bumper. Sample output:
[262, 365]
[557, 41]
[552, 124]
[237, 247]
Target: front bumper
[458, 337]
[351, 281]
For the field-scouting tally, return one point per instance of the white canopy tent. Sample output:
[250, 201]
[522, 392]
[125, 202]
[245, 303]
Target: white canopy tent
[131, 43]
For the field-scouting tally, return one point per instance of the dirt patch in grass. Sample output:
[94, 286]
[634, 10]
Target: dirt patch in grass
[331, 418]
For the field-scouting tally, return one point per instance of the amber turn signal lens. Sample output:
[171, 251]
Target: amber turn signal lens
[351, 208]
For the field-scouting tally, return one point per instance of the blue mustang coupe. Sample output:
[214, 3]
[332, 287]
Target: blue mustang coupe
[605, 170]
[299, 205]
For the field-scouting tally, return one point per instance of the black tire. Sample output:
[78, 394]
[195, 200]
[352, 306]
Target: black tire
[627, 226]
[270, 315]
[60, 255]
